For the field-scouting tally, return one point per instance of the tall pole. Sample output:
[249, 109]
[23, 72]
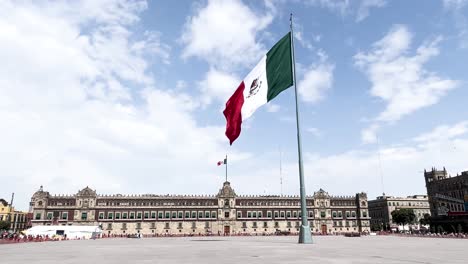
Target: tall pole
[305, 236]
[225, 164]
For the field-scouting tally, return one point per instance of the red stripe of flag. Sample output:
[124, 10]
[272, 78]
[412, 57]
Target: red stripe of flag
[233, 114]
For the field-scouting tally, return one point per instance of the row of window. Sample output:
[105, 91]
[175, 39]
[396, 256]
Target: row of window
[339, 214]
[159, 215]
[276, 214]
[181, 203]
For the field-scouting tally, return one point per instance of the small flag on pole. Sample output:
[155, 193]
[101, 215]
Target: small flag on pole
[222, 162]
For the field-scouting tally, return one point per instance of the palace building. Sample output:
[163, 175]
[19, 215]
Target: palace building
[223, 213]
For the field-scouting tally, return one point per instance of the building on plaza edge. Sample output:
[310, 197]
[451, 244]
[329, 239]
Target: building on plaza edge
[224, 213]
[18, 220]
[448, 200]
[380, 210]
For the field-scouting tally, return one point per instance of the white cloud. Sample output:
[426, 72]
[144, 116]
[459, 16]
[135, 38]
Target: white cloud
[315, 82]
[272, 108]
[444, 132]
[369, 135]
[314, 131]
[401, 165]
[399, 79]
[365, 5]
[359, 9]
[339, 6]
[181, 84]
[217, 85]
[455, 4]
[79, 107]
[213, 34]
[457, 7]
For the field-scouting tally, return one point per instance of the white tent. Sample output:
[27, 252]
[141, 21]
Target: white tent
[72, 232]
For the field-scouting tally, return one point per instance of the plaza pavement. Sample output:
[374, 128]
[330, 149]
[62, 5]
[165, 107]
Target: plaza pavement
[207, 250]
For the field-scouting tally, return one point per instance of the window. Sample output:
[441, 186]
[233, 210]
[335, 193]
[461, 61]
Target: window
[244, 225]
[49, 216]
[124, 215]
[340, 214]
[110, 215]
[288, 214]
[213, 214]
[265, 224]
[194, 214]
[84, 216]
[347, 214]
[160, 215]
[194, 225]
[276, 214]
[174, 214]
[289, 224]
[153, 215]
[311, 214]
[282, 214]
[200, 214]
[38, 216]
[295, 214]
[254, 214]
[260, 214]
[353, 214]
[207, 224]
[239, 214]
[179, 226]
[207, 214]
[226, 214]
[124, 226]
[334, 214]
[101, 215]
[109, 226]
[180, 215]
[117, 215]
[146, 215]
[132, 215]
[187, 214]
[153, 225]
[167, 226]
[269, 214]
[364, 214]
[254, 225]
[65, 215]
[249, 214]
[167, 215]
[322, 214]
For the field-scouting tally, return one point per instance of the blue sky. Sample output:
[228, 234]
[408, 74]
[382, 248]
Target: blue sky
[127, 96]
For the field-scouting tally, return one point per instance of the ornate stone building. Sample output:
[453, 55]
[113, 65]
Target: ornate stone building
[224, 213]
[448, 199]
[380, 210]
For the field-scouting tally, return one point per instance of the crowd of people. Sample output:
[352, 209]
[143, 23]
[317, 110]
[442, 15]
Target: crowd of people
[6, 237]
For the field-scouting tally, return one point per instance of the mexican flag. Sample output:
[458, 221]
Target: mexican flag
[272, 75]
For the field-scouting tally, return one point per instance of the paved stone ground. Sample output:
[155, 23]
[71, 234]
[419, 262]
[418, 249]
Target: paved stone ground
[252, 250]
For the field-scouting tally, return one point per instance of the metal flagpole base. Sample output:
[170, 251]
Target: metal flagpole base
[305, 236]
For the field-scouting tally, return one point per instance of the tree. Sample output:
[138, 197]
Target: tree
[376, 227]
[426, 220]
[4, 225]
[403, 216]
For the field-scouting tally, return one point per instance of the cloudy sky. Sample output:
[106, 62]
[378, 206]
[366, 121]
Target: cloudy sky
[127, 96]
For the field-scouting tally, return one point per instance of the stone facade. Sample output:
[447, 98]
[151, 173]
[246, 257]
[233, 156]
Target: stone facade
[448, 200]
[224, 213]
[446, 193]
[380, 209]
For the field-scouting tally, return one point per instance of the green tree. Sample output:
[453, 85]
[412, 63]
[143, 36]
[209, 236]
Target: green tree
[403, 216]
[376, 227]
[4, 225]
[426, 220]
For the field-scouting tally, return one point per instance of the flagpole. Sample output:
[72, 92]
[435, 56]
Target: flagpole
[226, 166]
[305, 236]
